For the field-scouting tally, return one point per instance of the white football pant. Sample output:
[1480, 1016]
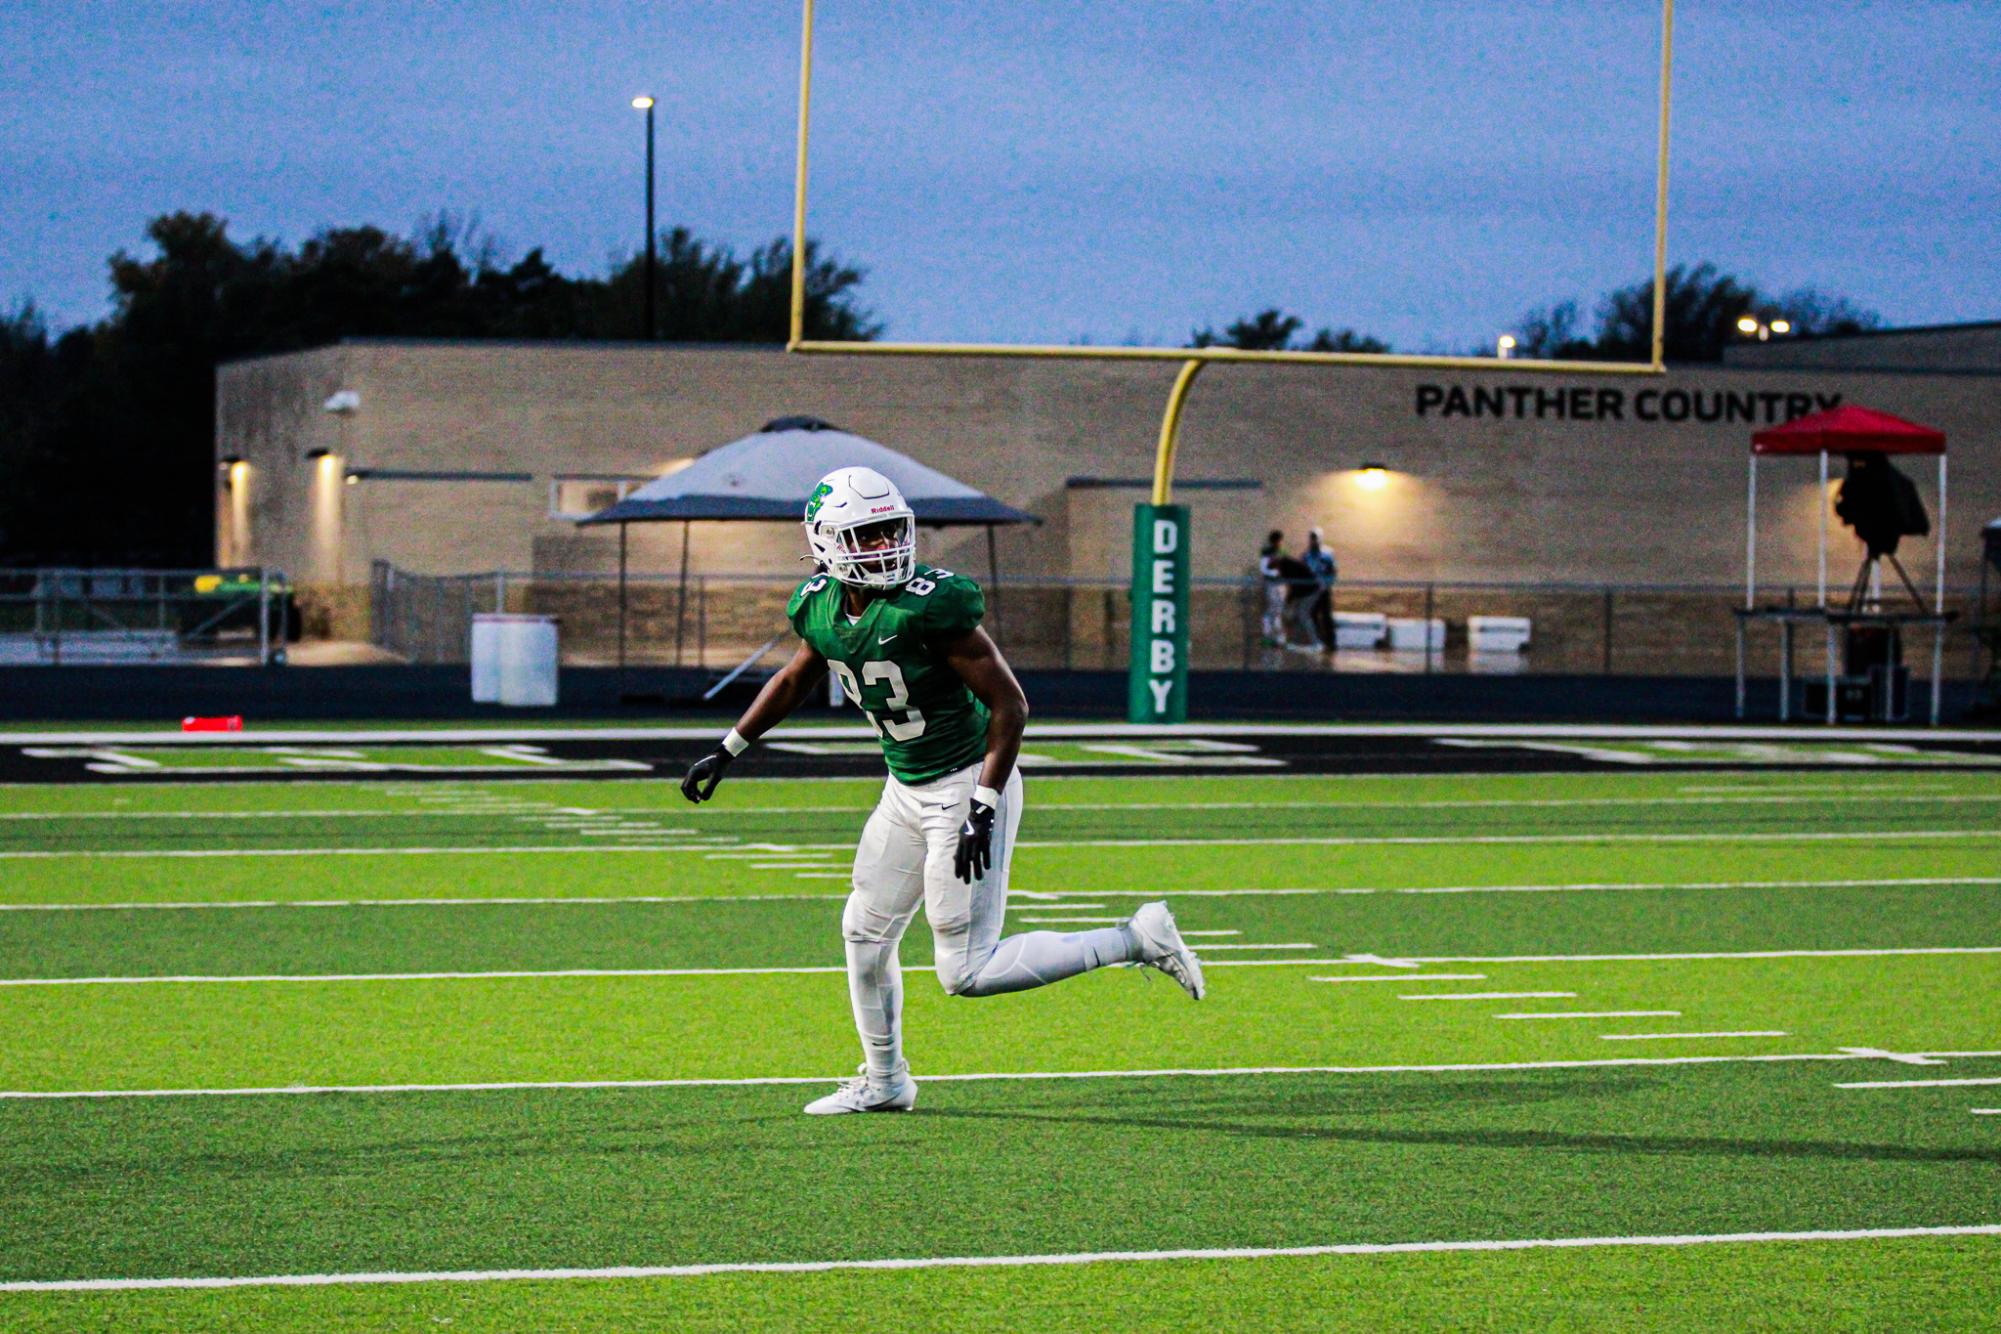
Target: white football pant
[905, 859]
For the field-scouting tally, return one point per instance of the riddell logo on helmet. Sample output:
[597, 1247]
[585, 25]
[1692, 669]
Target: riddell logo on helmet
[882, 509]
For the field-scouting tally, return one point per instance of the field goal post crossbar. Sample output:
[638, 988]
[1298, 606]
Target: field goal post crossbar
[1192, 360]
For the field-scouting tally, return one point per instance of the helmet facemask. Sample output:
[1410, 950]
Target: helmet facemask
[880, 553]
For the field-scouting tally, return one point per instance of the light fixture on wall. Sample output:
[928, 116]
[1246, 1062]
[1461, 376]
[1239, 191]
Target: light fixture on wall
[314, 455]
[342, 401]
[1372, 476]
[231, 468]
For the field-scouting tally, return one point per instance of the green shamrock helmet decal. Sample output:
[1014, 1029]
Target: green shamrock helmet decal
[813, 502]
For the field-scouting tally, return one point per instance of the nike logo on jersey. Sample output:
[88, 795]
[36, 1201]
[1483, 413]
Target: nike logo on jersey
[886, 638]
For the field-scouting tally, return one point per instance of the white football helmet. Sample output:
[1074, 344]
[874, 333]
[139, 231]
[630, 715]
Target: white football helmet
[861, 530]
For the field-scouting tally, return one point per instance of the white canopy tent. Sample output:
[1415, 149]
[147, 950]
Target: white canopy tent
[766, 476]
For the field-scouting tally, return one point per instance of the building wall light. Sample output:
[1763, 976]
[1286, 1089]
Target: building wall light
[1372, 476]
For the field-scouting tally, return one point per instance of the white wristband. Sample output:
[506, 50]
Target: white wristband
[734, 743]
[986, 796]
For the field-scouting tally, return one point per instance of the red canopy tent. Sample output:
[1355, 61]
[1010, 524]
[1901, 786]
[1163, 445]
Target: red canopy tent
[1847, 430]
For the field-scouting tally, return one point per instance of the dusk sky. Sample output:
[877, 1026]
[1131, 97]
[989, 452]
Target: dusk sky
[1023, 171]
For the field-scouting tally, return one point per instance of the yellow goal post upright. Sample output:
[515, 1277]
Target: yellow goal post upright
[1157, 689]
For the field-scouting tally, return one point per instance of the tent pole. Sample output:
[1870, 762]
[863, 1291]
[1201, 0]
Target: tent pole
[993, 574]
[1938, 594]
[622, 529]
[1938, 586]
[1751, 541]
[1823, 528]
[681, 599]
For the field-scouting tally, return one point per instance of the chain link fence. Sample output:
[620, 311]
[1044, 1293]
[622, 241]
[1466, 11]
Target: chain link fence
[714, 621]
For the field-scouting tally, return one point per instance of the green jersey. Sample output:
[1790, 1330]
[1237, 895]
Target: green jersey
[891, 662]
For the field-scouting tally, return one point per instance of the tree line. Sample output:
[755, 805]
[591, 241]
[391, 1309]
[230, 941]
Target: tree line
[1703, 306]
[107, 430]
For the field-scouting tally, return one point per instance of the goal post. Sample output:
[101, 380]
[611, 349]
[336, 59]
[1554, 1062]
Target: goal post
[1162, 696]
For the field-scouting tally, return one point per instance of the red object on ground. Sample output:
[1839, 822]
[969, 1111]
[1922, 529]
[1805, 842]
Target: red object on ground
[233, 723]
[1849, 430]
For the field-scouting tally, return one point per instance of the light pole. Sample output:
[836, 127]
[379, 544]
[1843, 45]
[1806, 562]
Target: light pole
[645, 104]
[1504, 346]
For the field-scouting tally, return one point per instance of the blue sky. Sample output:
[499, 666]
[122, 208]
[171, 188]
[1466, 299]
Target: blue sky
[1024, 171]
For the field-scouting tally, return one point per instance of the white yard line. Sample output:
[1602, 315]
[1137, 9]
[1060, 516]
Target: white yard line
[1488, 995]
[1594, 1014]
[695, 845]
[1075, 921]
[1408, 977]
[759, 1081]
[1206, 933]
[1288, 945]
[1921, 1083]
[1986, 1111]
[785, 970]
[1666, 1037]
[1466, 803]
[509, 902]
[1036, 732]
[991, 1261]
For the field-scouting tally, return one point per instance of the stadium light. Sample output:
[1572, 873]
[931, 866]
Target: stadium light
[1753, 327]
[1504, 346]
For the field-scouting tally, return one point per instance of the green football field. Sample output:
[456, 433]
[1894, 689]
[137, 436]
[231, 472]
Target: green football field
[1589, 1051]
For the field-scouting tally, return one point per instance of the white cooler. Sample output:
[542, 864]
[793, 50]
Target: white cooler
[1415, 632]
[1360, 629]
[1497, 634]
[514, 660]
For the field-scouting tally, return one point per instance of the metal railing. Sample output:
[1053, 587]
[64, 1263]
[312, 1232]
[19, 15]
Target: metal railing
[75, 616]
[1082, 624]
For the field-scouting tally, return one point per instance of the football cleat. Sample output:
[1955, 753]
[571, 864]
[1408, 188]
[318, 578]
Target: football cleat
[859, 1095]
[1161, 946]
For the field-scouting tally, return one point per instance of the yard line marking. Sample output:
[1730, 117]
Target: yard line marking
[586, 900]
[455, 805]
[758, 1081]
[206, 978]
[1073, 921]
[1037, 731]
[1699, 884]
[1288, 945]
[1986, 1111]
[986, 1261]
[1406, 977]
[1609, 1014]
[1211, 933]
[238, 815]
[1842, 835]
[1900, 1057]
[781, 969]
[1386, 963]
[1922, 1083]
[1712, 954]
[1661, 1037]
[1490, 995]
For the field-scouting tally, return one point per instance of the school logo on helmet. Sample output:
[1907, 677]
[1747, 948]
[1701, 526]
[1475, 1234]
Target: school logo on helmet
[814, 501]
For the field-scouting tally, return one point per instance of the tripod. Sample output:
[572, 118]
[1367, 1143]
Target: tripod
[1859, 592]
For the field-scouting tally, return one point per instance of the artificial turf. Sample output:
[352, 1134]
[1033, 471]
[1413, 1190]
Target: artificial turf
[1612, 864]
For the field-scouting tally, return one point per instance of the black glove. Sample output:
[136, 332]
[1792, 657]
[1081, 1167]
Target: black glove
[976, 843]
[704, 774]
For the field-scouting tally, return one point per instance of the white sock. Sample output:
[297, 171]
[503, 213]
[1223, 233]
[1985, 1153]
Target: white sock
[1037, 958]
[875, 986]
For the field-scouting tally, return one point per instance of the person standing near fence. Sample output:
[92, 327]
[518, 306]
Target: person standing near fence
[1320, 561]
[1269, 556]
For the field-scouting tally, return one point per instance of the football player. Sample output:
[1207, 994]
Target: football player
[905, 642]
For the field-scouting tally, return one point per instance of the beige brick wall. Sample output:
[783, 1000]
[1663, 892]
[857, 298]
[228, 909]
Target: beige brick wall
[1470, 499]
